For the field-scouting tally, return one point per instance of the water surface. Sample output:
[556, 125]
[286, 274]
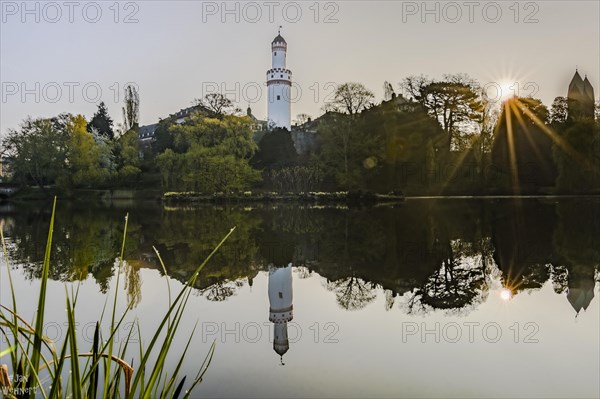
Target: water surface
[428, 298]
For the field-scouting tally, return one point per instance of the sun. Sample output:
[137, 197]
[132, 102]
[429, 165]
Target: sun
[502, 89]
[505, 294]
[507, 89]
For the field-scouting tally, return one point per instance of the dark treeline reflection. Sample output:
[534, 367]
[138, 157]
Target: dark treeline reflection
[424, 254]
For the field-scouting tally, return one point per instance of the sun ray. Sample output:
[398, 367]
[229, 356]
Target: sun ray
[512, 158]
[560, 142]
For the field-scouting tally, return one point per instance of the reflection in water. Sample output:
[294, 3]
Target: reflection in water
[280, 307]
[363, 275]
[424, 255]
[580, 291]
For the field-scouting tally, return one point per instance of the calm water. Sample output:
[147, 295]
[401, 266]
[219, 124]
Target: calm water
[429, 298]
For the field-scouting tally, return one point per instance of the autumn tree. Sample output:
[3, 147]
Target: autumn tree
[84, 156]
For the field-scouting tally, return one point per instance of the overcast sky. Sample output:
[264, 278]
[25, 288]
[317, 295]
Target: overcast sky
[66, 57]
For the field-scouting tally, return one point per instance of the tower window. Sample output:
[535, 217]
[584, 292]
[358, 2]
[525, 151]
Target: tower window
[276, 53]
[278, 98]
[271, 75]
[281, 76]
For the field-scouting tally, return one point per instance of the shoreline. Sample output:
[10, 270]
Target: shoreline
[358, 197]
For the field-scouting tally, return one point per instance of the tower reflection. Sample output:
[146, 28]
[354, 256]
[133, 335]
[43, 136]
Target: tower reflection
[280, 306]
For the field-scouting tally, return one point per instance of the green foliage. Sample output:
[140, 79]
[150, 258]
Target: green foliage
[40, 150]
[128, 157]
[275, 150]
[163, 139]
[85, 157]
[213, 156]
[455, 102]
[390, 147]
[102, 123]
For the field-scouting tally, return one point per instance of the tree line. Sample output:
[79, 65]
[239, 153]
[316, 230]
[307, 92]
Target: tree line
[441, 136]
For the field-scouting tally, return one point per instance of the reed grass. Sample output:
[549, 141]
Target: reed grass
[38, 366]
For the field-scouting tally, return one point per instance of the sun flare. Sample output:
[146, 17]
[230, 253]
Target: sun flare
[505, 294]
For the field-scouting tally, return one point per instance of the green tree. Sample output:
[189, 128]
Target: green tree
[163, 138]
[102, 122]
[455, 102]
[275, 150]
[559, 112]
[213, 155]
[128, 156]
[39, 149]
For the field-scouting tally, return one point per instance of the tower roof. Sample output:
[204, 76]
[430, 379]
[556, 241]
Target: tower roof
[280, 39]
[576, 81]
[588, 88]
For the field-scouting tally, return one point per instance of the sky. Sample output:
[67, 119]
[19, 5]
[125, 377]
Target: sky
[68, 56]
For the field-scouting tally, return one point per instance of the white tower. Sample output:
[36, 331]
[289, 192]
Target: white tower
[279, 83]
[281, 308]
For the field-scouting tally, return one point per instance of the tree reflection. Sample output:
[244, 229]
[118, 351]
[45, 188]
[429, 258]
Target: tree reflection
[353, 293]
[421, 256]
[461, 281]
[217, 292]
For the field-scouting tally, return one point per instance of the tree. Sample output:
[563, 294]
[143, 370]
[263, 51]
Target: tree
[84, 156]
[578, 157]
[353, 293]
[559, 112]
[522, 148]
[455, 101]
[351, 98]
[39, 149]
[163, 139]
[414, 87]
[128, 156]
[213, 155]
[301, 119]
[102, 122]
[275, 150]
[217, 103]
[131, 110]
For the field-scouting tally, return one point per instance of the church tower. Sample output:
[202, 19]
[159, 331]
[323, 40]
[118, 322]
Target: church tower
[580, 97]
[279, 83]
[280, 307]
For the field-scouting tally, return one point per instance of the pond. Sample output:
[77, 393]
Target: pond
[426, 298]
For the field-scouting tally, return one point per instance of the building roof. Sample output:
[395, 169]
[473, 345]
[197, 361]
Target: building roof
[576, 82]
[588, 88]
[147, 131]
[279, 39]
